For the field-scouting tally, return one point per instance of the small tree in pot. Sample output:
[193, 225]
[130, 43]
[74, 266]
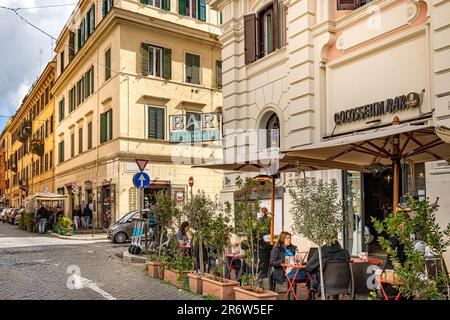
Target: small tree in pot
[252, 228]
[167, 212]
[316, 213]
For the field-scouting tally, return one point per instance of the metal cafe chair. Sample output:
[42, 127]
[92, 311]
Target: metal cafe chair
[337, 278]
[359, 279]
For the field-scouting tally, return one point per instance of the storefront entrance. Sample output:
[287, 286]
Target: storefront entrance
[368, 196]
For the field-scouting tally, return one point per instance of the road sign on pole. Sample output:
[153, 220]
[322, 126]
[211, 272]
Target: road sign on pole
[141, 180]
[141, 164]
[191, 182]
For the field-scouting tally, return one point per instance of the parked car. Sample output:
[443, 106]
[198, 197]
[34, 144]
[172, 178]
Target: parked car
[14, 215]
[7, 214]
[121, 231]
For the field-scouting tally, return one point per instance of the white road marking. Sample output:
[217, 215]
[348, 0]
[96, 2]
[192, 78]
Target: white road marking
[21, 242]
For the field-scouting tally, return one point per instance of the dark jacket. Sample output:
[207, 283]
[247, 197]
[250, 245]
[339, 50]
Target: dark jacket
[42, 213]
[395, 245]
[277, 257]
[333, 252]
[77, 213]
[87, 212]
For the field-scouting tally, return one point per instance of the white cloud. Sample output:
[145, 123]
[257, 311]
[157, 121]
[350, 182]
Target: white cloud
[21, 46]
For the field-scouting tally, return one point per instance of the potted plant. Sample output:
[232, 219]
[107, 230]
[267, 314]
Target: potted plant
[412, 277]
[153, 265]
[252, 228]
[178, 269]
[65, 226]
[28, 221]
[316, 213]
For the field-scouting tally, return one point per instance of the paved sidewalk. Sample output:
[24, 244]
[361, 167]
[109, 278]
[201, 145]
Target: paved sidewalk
[85, 236]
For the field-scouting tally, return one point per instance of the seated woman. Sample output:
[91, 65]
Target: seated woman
[182, 237]
[284, 248]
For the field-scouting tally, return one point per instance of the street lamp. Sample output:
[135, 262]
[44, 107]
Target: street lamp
[263, 178]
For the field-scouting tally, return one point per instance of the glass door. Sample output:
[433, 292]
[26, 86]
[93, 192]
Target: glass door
[353, 214]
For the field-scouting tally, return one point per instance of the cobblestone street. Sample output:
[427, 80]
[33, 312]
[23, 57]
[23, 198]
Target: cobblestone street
[33, 267]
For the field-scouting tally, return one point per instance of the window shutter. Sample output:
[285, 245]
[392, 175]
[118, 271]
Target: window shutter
[88, 23]
[71, 45]
[110, 125]
[166, 5]
[188, 63]
[92, 19]
[250, 38]
[182, 7]
[102, 127]
[275, 25]
[347, 4]
[196, 69]
[167, 63]
[144, 59]
[160, 123]
[108, 64]
[144, 1]
[104, 5]
[202, 10]
[152, 123]
[219, 74]
[92, 79]
[79, 38]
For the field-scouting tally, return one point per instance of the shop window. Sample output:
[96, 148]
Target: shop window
[156, 123]
[351, 4]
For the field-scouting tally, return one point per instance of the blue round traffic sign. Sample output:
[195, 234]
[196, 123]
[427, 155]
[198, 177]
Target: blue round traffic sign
[141, 180]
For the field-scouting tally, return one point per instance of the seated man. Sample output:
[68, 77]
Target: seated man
[329, 252]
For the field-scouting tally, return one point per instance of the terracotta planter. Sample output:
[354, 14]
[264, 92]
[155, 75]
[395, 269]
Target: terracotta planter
[172, 276]
[161, 272]
[222, 289]
[243, 294]
[153, 269]
[196, 282]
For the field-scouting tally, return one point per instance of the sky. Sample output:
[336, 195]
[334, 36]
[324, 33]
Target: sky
[26, 51]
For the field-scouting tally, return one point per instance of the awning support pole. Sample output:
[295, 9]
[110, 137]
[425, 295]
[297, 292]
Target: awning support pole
[272, 221]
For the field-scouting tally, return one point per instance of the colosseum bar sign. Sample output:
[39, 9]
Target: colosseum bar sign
[376, 109]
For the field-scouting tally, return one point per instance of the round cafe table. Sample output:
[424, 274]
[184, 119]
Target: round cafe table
[291, 282]
[230, 257]
[385, 296]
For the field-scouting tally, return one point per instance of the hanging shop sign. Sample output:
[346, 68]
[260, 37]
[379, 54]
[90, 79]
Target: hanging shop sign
[195, 126]
[376, 109]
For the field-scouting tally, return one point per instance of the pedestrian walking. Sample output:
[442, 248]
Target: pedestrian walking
[87, 216]
[77, 214]
[42, 216]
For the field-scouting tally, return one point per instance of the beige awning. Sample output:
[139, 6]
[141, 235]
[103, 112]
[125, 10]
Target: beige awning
[417, 143]
[286, 163]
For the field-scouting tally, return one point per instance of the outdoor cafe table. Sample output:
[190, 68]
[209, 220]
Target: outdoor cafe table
[373, 261]
[384, 282]
[230, 257]
[291, 282]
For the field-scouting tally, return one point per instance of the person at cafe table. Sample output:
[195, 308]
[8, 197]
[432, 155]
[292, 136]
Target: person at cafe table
[284, 248]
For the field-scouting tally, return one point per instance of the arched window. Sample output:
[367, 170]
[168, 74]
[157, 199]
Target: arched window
[273, 131]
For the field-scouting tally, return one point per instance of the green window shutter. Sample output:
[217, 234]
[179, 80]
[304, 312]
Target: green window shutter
[144, 59]
[104, 4]
[202, 10]
[219, 73]
[92, 79]
[195, 69]
[188, 64]
[182, 7]
[156, 123]
[167, 63]
[71, 45]
[88, 24]
[144, 1]
[103, 128]
[220, 18]
[89, 135]
[79, 39]
[92, 23]
[108, 64]
[110, 125]
[166, 5]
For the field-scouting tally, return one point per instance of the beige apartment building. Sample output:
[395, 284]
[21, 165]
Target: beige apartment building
[28, 141]
[136, 80]
[302, 67]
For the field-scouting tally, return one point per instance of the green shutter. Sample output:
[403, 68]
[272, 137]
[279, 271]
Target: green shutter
[103, 127]
[144, 1]
[88, 24]
[110, 125]
[219, 73]
[167, 63]
[92, 18]
[166, 5]
[202, 10]
[104, 4]
[91, 72]
[188, 64]
[156, 123]
[182, 7]
[144, 59]
[221, 18]
[108, 64]
[195, 69]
